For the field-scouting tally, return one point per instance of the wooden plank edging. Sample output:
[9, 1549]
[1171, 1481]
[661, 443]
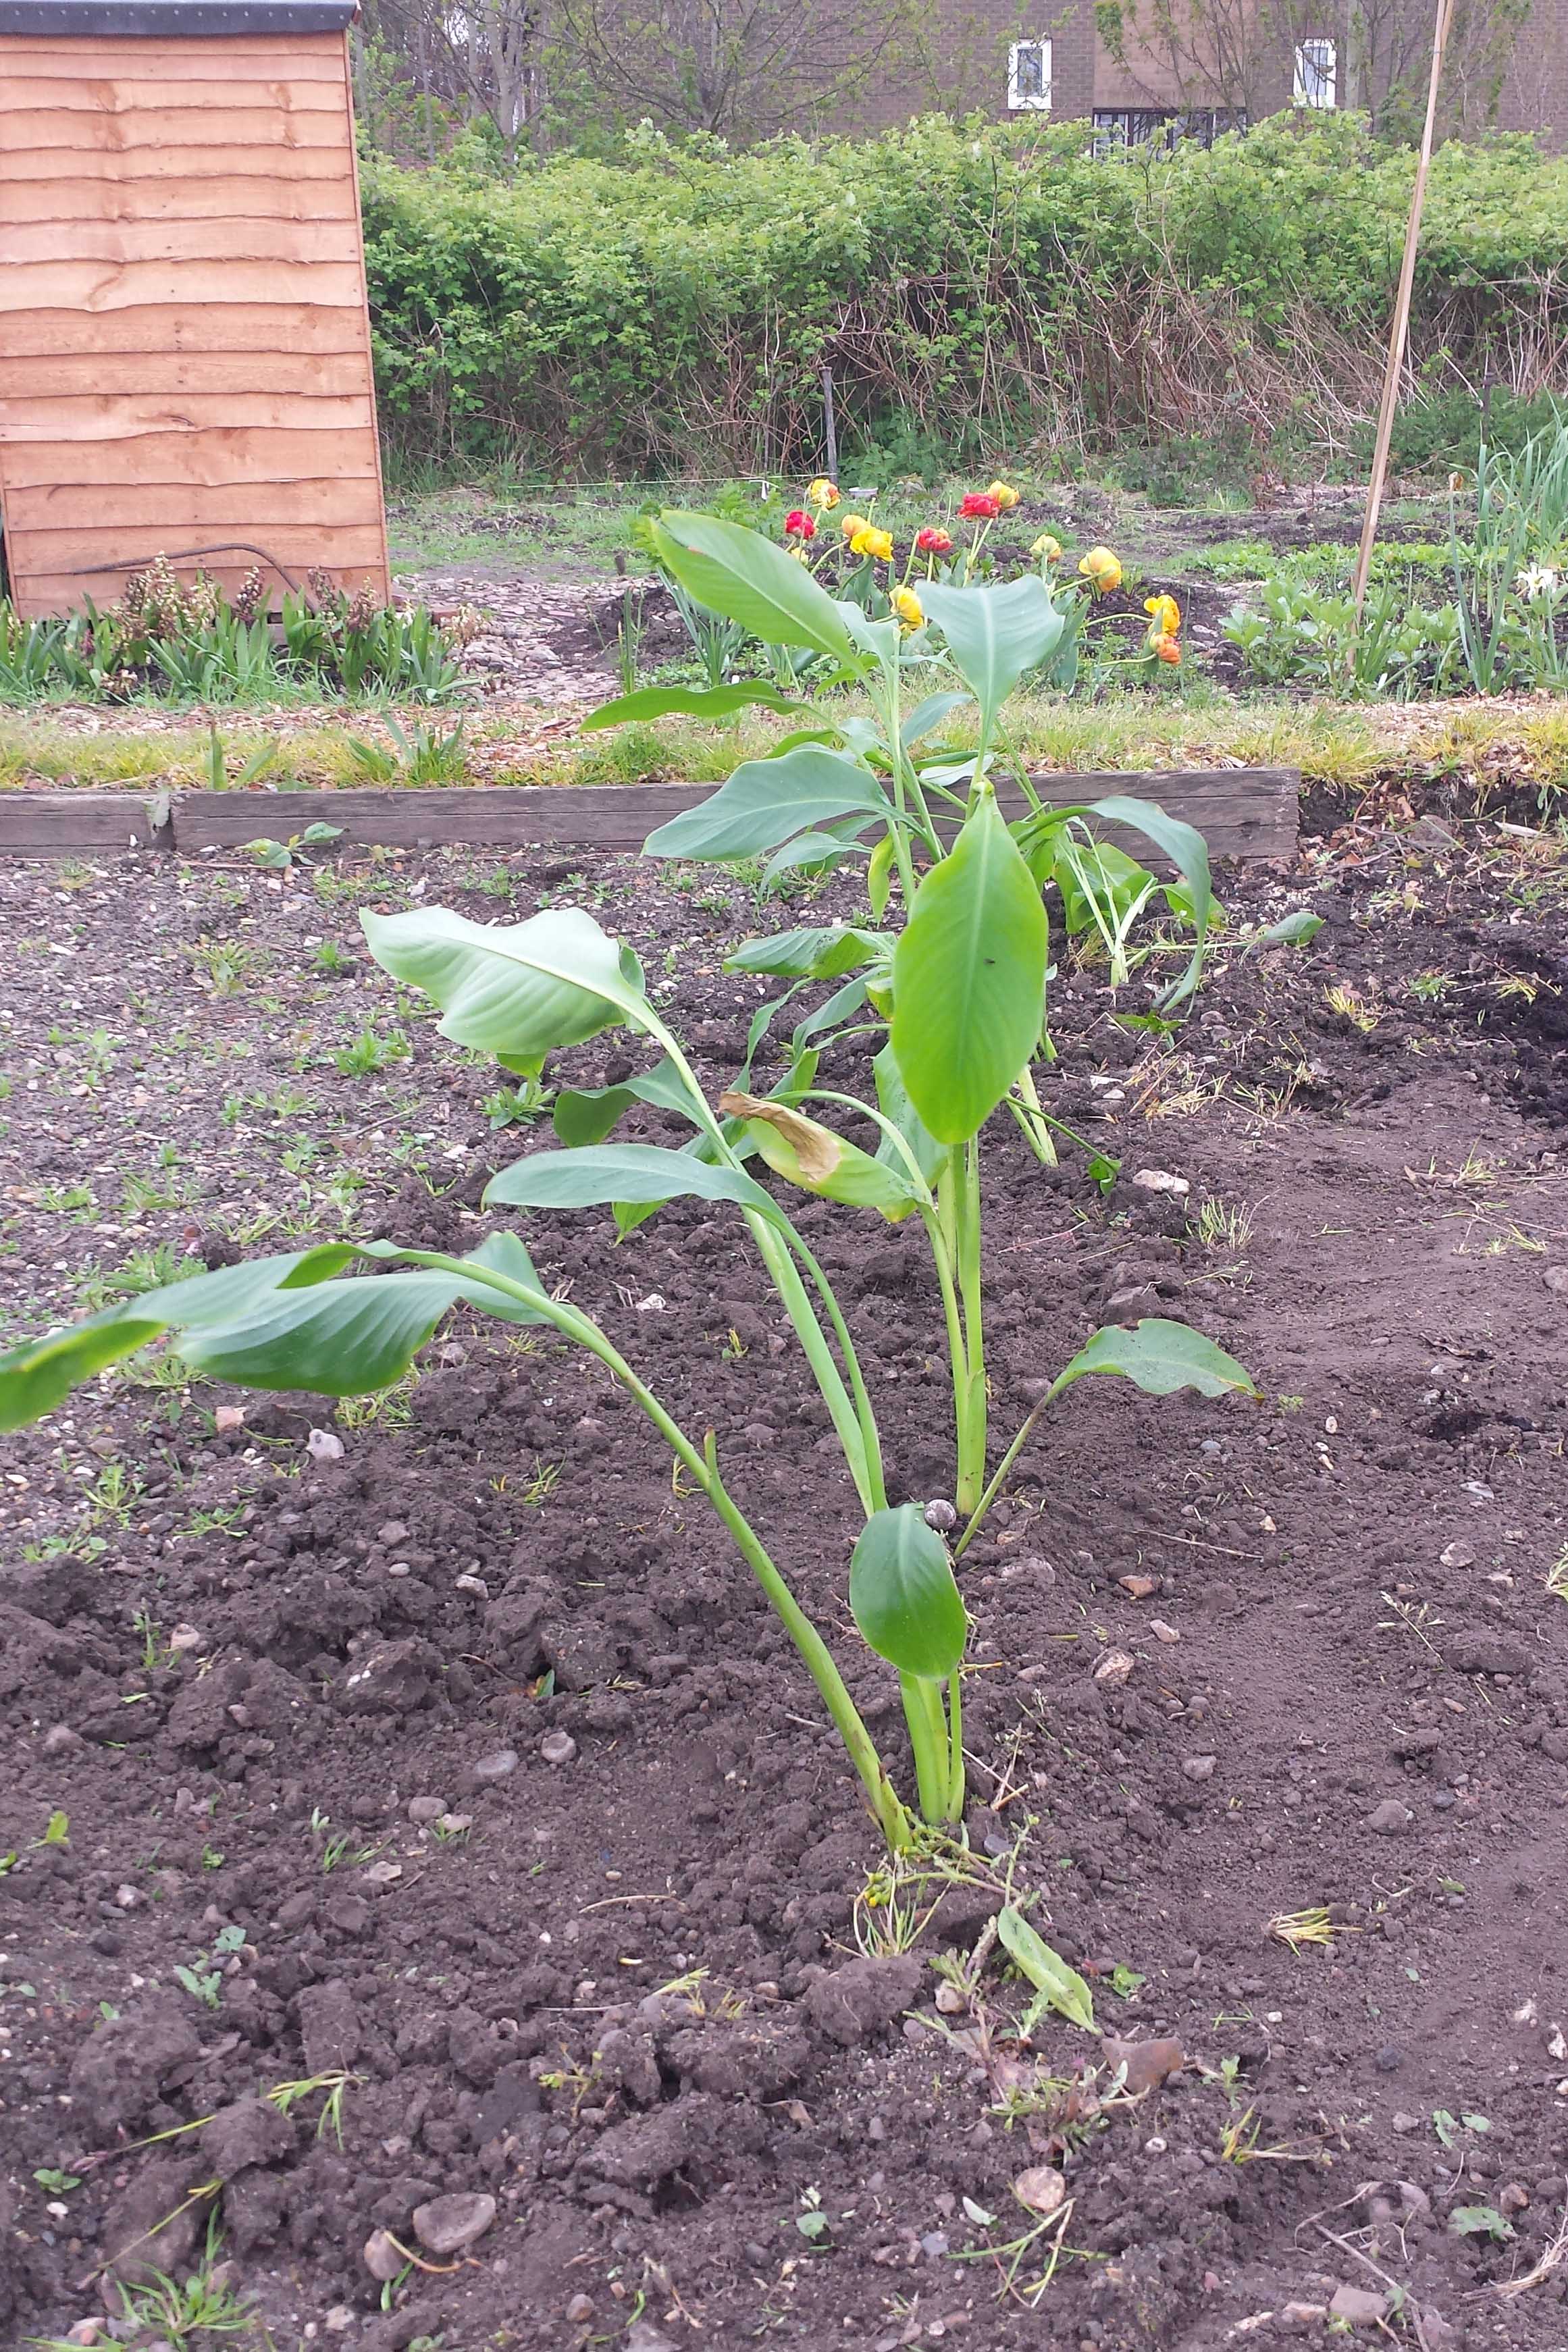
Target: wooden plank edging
[1248, 813]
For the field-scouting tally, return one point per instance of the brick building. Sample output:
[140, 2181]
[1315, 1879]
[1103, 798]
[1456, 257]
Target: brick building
[1055, 60]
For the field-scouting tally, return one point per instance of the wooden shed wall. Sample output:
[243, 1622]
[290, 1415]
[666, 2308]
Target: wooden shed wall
[185, 349]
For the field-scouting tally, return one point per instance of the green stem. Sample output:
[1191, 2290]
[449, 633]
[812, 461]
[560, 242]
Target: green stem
[866, 1416]
[1032, 1119]
[703, 1469]
[972, 1436]
[955, 1748]
[992, 1491]
[928, 1737]
[939, 1228]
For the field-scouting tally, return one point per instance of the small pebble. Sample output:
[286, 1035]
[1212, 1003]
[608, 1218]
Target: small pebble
[1198, 1768]
[558, 1748]
[1458, 1554]
[423, 1810]
[324, 1445]
[940, 1515]
[580, 2309]
[496, 1766]
[1391, 1819]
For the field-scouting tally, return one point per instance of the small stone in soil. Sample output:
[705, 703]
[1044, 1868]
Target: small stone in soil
[1458, 1554]
[1391, 1819]
[324, 1445]
[382, 2258]
[496, 1766]
[1162, 1632]
[1389, 2060]
[1198, 1768]
[558, 1748]
[423, 1810]
[940, 1515]
[1359, 2306]
[1159, 1180]
[1113, 1669]
[1138, 1588]
[580, 2309]
[450, 2223]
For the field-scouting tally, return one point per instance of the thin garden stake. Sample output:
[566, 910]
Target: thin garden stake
[1400, 331]
[829, 426]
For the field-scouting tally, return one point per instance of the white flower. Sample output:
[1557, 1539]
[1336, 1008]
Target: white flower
[1539, 579]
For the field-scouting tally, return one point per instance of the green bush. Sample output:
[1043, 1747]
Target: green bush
[972, 286]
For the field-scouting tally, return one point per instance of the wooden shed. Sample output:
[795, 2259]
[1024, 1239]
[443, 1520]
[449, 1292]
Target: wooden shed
[184, 346]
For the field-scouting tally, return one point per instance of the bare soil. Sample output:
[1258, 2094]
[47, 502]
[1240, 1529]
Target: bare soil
[312, 1699]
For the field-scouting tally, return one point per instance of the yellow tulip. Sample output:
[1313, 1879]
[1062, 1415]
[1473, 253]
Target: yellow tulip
[1102, 570]
[822, 492]
[1167, 615]
[1004, 494]
[869, 541]
[1047, 549]
[850, 524]
[908, 607]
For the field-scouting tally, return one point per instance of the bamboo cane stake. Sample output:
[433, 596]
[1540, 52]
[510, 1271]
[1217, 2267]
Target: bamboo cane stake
[1400, 331]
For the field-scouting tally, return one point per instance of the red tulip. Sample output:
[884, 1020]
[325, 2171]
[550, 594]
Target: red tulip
[798, 524]
[932, 541]
[980, 506]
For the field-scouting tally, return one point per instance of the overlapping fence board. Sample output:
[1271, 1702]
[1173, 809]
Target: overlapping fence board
[184, 350]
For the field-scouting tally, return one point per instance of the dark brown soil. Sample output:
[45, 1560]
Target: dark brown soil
[231, 1664]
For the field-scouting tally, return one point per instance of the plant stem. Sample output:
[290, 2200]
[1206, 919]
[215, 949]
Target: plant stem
[989, 1496]
[972, 1432]
[929, 1738]
[1032, 1119]
[955, 1748]
[865, 1410]
[938, 1223]
[703, 1469]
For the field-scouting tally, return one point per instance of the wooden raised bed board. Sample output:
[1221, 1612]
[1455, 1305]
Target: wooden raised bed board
[1241, 811]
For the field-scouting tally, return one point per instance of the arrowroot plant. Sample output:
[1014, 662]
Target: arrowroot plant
[961, 990]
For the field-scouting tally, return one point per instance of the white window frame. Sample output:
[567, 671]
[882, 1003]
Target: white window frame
[1021, 102]
[1317, 82]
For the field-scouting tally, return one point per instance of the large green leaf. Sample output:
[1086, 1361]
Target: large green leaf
[994, 634]
[903, 1594]
[814, 951]
[689, 702]
[631, 1173]
[282, 1322]
[514, 990]
[1060, 1987]
[346, 1338]
[969, 978]
[746, 577]
[1159, 1357]
[767, 802]
[586, 1114]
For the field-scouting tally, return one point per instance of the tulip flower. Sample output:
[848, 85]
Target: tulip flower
[1167, 615]
[1047, 550]
[799, 525]
[978, 506]
[908, 608]
[821, 493]
[869, 541]
[932, 540]
[850, 524]
[1004, 495]
[1102, 570]
[1168, 649]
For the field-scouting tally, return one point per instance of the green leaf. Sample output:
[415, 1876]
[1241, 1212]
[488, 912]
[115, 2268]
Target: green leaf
[1061, 1987]
[275, 1322]
[746, 577]
[808, 853]
[345, 1338]
[514, 990]
[880, 874]
[1188, 852]
[273, 854]
[969, 978]
[1479, 2221]
[903, 1594]
[806, 1152]
[814, 951]
[314, 835]
[767, 802]
[1159, 1357]
[929, 714]
[1292, 930]
[631, 1173]
[689, 702]
[994, 634]
[586, 1114]
[41, 1373]
[893, 1102]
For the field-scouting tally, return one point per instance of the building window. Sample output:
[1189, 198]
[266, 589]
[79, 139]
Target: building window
[1117, 126]
[1029, 77]
[1316, 73]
